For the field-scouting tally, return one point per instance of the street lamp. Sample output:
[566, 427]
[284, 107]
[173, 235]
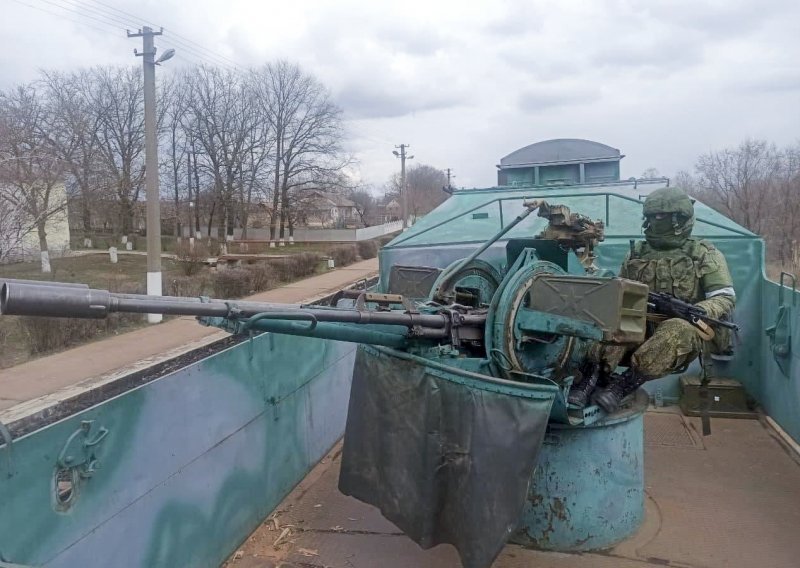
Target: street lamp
[169, 54]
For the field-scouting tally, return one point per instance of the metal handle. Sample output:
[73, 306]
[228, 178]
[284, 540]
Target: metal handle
[794, 288]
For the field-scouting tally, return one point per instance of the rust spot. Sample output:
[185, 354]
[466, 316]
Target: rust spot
[559, 510]
[535, 499]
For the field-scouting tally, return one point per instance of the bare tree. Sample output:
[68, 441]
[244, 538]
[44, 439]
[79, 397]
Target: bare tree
[425, 191]
[685, 181]
[365, 204]
[72, 132]
[306, 126]
[117, 96]
[783, 227]
[175, 97]
[738, 180]
[650, 173]
[31, 177]
[222, 119]
[13, 227]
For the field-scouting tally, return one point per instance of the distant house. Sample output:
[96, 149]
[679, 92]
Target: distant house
[327, 210]
[385, 211]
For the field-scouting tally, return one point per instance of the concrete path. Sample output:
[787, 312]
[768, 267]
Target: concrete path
[59, 376]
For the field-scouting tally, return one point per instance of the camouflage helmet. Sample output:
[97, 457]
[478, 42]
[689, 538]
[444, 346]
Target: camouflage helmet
[676, 224]
[669, 200]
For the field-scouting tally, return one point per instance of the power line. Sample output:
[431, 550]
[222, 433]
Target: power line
[132, 21]
[80, 13]
[73, 20]
[70, 9]
[180, 38]
[91, 12]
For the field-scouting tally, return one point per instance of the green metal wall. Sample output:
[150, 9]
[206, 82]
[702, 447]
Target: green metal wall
[192, 463]
[779, 390]
[568, 174]
[601, 172]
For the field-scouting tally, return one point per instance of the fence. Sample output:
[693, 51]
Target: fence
[316, 235]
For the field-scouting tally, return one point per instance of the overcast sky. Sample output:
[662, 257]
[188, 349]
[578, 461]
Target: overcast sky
[466, 83]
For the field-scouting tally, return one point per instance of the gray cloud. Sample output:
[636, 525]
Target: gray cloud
[535, 100]
[772, 82]
[368, 101]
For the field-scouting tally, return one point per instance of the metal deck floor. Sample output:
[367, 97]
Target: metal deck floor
[731, 500]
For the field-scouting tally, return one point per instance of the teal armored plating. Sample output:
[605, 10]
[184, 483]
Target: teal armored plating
[588, 490]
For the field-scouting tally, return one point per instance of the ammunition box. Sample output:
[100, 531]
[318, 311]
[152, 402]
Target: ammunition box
[616, 305]
[727, 398]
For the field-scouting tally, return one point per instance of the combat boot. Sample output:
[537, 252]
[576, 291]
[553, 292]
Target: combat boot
[619, 386]
[579, 392]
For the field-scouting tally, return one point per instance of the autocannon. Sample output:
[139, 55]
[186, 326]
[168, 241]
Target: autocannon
[530, 322]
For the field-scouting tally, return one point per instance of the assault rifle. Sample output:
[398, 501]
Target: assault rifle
[668, 305]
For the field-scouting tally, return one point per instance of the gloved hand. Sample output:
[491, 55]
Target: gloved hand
[718, 307]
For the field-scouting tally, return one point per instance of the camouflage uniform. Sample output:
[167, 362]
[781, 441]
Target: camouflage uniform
[673, 262]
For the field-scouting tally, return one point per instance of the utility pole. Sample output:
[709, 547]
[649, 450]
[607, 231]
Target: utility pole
[403, 187]
[449, 175]
[151, 165]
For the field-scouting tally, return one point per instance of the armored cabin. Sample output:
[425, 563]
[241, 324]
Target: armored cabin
[560, 162]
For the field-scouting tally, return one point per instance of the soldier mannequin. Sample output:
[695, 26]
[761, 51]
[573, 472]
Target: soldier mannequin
[668, 261]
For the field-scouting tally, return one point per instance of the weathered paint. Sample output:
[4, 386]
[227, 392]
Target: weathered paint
[779, 390]
[192, 463]
[588, 490]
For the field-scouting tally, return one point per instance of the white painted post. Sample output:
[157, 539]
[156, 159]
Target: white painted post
[331, 264]
[87, 243]
[124, 239]
[112, 252]
[191, 243]
[128, 245]
[46, 262]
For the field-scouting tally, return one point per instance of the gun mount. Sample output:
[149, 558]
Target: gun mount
[532, 322]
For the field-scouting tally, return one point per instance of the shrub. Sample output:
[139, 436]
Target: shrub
[188, 286]
[191, 259]
[231, 283]
[367, 249]
[295, 266]
[43, 335]
[303, 264]
[262, 277]
[382, 241]
[5, 332]
[343, 255]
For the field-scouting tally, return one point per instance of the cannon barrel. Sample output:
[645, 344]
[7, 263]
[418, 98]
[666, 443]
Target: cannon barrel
[41, 283]
[58, 301]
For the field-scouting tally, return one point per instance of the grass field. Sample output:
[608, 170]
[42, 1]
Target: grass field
[129, 275]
